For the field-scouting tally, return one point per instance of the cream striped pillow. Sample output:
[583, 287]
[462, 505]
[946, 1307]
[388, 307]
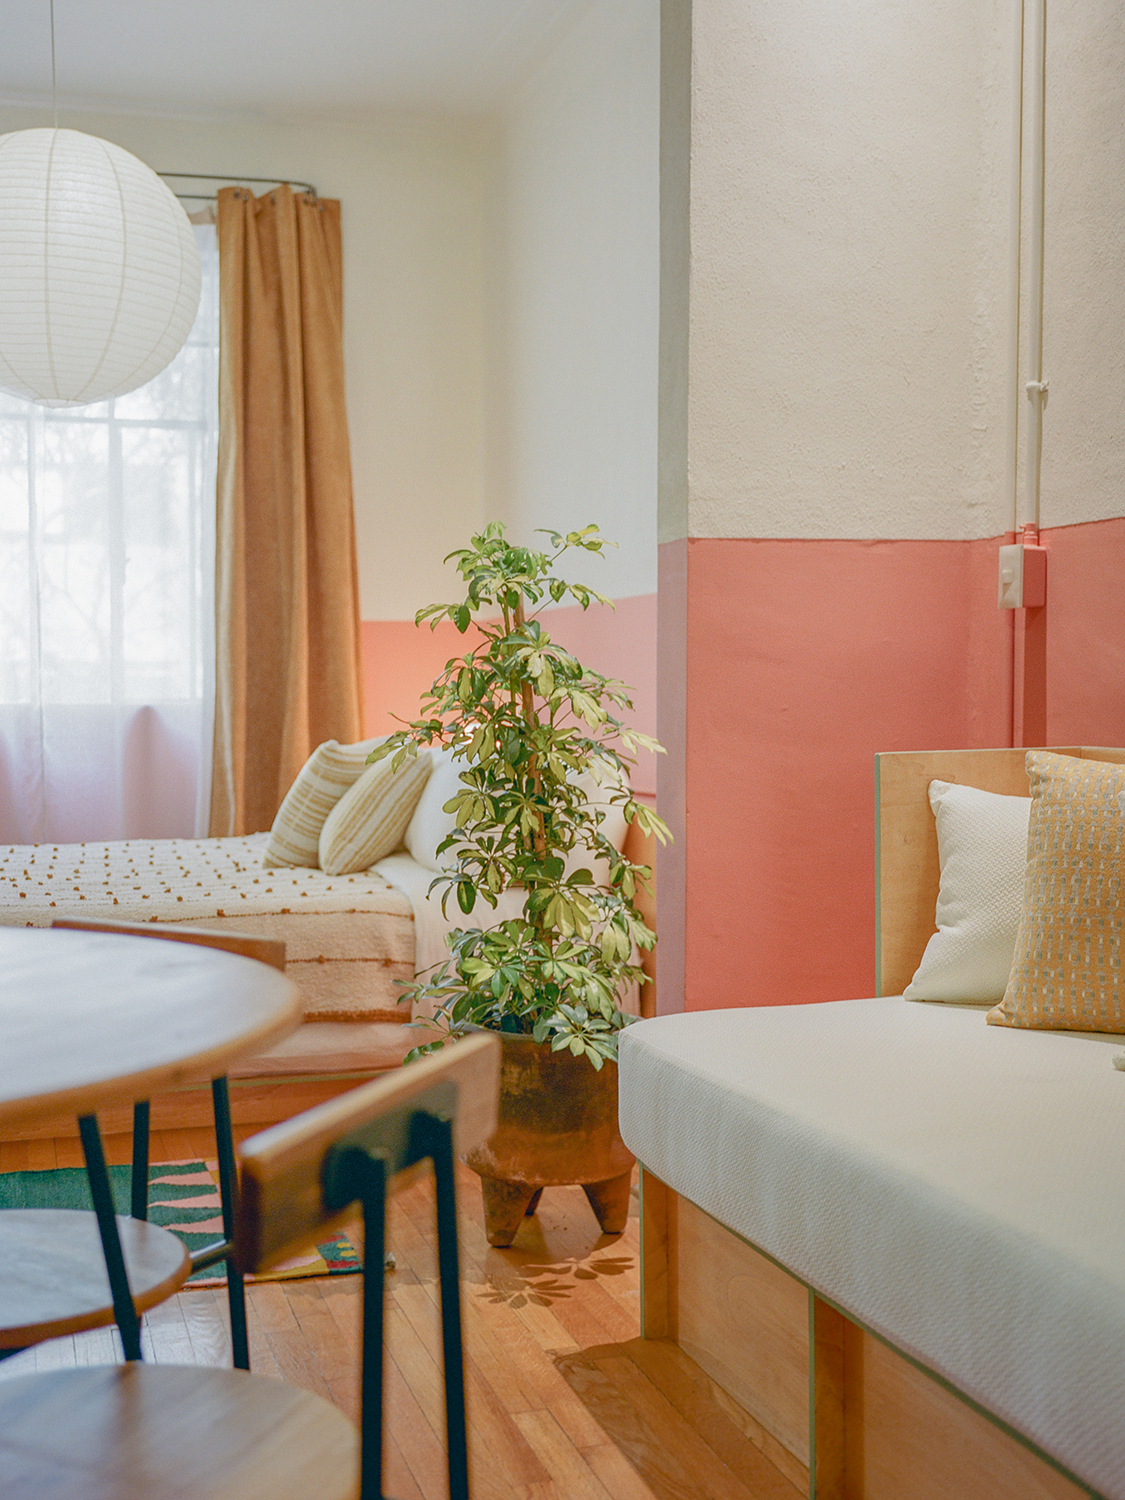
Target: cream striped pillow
[1066, 972]
[370, 819]
[323, 779]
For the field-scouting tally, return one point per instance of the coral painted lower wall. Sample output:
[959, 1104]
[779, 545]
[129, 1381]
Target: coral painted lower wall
[1086, 633]
[400, 661]
[804, 658]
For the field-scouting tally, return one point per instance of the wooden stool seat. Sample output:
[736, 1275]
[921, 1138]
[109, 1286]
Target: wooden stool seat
[54, 1278]
[162, 1432]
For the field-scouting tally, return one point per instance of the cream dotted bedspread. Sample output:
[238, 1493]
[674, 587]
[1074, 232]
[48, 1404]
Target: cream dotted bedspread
[349, 939]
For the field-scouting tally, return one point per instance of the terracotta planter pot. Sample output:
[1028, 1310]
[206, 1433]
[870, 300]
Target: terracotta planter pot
[558, 1125]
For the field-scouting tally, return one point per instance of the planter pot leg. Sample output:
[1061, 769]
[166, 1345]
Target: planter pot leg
[534, 1204]
[610, 1201]
[505, 1204]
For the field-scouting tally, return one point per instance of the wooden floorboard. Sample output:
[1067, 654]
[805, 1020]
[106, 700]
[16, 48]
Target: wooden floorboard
[566, 1401]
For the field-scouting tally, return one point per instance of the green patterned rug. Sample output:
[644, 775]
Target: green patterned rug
[183, 1196]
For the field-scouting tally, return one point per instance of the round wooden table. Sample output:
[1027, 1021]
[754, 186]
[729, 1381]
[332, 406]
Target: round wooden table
[90, 1018]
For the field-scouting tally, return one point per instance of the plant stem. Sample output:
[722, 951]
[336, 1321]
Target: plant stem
[531, 719]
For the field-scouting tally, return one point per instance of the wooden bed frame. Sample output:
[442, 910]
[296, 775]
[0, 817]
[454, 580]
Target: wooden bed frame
[843, 1414]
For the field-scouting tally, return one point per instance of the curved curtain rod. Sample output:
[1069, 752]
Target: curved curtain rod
[222, 177]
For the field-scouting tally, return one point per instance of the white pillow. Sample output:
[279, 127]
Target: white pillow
[370, 819]
[982, 851]
[323, 779]
[429, 824]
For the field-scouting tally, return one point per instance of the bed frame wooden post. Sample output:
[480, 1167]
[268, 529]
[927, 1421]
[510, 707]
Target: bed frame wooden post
[655, 1322]
[826, 1400]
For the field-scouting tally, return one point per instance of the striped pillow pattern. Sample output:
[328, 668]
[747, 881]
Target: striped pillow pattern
[324, 778]
[1066, 972]
[370, 819]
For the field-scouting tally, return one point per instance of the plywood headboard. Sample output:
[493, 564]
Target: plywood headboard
[906, 854]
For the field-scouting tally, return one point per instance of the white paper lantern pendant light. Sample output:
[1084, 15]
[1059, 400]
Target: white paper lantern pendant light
[99, 270]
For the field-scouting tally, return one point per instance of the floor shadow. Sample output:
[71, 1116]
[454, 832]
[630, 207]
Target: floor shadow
[631, 1420]
[516, 1281]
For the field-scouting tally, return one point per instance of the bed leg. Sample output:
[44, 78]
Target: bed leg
[655, 1319]
[826, 1401]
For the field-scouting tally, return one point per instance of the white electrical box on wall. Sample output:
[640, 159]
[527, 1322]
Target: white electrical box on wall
[1023, 577]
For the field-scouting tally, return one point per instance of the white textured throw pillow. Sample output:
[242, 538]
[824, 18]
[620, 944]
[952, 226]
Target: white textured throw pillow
[323, 779]
[982, 850]
[370, 818]
[429, 824]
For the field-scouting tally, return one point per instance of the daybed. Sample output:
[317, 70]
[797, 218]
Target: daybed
[352, 940]
[893, 1233]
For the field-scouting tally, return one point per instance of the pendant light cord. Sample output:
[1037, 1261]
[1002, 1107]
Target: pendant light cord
[54, 89]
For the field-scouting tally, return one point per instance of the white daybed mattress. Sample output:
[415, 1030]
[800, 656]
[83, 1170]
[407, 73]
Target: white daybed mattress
[957, 1187]
[349, 939]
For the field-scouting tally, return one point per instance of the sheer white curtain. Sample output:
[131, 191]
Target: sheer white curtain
[106, 603]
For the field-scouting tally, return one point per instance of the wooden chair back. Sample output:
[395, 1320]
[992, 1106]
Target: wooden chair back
[302, 1177]
[266, 950]
[906, 851]
[282, 1203]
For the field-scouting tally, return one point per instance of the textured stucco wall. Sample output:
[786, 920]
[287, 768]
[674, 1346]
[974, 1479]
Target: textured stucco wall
[838, 341]
[1084, 264]
[849, 217]
[574, 277]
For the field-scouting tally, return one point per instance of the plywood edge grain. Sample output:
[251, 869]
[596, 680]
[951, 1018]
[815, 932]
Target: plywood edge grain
[654, 1196]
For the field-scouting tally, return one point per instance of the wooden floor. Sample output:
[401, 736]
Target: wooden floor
[566, 1401]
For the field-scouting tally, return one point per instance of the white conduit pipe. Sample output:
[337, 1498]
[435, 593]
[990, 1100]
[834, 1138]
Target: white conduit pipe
[1015, 246]
[1035, 34]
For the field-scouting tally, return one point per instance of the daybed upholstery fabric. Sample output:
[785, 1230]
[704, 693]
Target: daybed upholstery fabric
[954, 1186]
[349, 939]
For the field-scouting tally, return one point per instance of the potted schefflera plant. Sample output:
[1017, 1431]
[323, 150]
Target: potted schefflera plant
[543, 768]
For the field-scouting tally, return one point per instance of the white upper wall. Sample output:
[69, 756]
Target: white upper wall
[850, 190]
[1083, 476]
[412, 216]
[575, 294]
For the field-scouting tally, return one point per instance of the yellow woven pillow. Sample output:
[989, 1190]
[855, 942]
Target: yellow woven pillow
[323, 779]
[1066, 971]
[370, 819]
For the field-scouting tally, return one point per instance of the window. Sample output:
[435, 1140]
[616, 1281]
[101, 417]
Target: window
[106, 576]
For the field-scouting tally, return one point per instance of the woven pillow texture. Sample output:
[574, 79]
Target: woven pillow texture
[370, 818]
[323, 779]
[1066, 973]
[982, 853]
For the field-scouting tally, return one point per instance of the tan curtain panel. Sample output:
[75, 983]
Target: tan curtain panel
[287, 670]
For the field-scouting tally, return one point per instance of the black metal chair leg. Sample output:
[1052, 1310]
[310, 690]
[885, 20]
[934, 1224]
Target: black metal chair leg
[124, 1312]
[138, 1182]
[228, 1190]
[371, 1171]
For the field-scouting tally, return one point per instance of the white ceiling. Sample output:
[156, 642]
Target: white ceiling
[319, 58]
